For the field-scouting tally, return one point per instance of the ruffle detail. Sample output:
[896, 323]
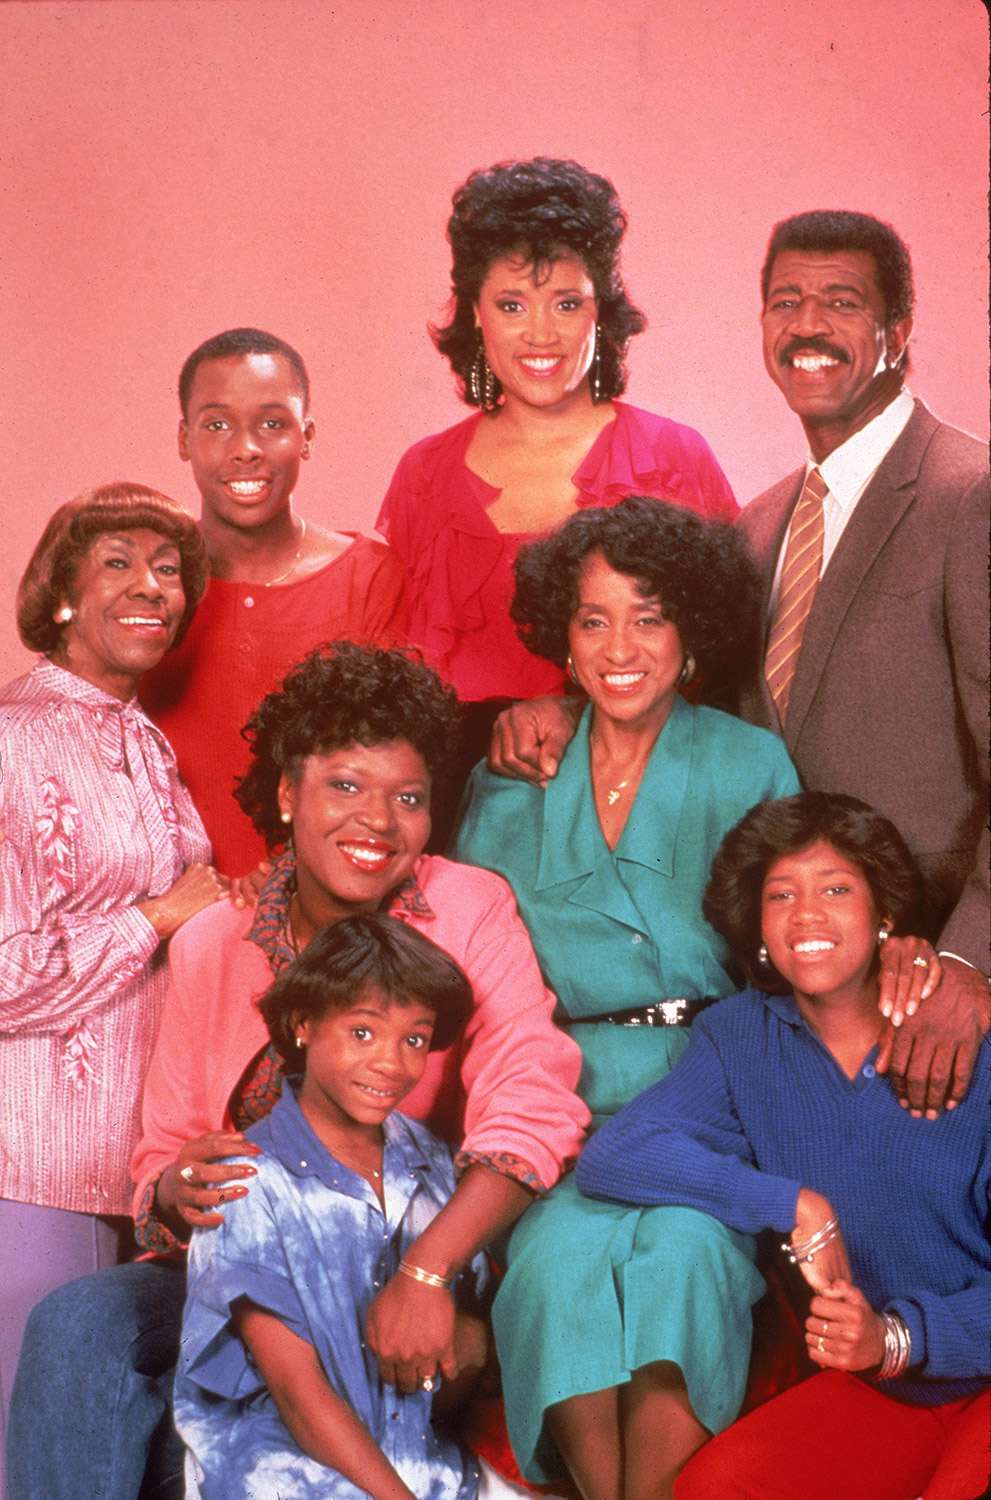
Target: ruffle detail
[436, 516]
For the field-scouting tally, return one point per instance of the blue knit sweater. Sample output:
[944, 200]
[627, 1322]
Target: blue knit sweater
[758, 1108]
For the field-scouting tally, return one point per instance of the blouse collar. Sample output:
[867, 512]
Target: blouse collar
[270, 926]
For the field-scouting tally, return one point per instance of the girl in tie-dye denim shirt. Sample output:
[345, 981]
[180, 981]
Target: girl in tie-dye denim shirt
[276, 1393]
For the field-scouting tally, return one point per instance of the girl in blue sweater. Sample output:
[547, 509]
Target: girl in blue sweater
[776, 1118]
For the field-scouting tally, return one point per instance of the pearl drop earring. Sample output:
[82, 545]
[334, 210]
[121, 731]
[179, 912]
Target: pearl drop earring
[64, 615]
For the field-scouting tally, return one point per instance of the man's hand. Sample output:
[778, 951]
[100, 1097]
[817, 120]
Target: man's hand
[529, 739]
[931, 1056]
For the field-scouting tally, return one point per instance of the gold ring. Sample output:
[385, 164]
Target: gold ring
[825, 1329]
[920, 963]
[822, 1347]
[186, 1173]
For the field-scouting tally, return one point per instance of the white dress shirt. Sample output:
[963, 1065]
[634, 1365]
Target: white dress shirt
[848, 470]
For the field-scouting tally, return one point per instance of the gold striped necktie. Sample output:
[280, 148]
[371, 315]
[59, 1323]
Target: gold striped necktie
[799, 581]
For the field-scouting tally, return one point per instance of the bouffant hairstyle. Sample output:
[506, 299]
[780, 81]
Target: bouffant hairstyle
[233, 343]
[50, 574]
[830, 229]
[359, 954]
[700, 570]
[343, 694]
[538, 208]
[732, 902]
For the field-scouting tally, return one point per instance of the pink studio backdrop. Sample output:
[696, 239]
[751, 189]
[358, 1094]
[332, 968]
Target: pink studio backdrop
[170, 168]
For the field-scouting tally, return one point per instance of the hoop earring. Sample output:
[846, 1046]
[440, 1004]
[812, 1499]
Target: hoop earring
[597, 369]
[569, 667]
[687, 670]
[762, 957]
[64, 615]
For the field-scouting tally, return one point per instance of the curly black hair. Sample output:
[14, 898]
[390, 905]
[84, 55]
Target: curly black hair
[829, 229]
[371, 951]
[732, 901]
[538, 207]
[700, 570]
[343, 694]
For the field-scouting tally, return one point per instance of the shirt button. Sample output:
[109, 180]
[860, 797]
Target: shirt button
[869, 1070]
[637, 938]
[303, 1163]
[249, 602]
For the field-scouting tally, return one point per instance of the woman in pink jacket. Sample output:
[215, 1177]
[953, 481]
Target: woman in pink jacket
[342, 762]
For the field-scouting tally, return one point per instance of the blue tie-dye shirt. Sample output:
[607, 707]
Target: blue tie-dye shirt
[311, 1244]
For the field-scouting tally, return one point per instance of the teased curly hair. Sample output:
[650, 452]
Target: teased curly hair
[701, 571]
[538, 207]
[366, 952]
[236, 342]
[50, 574]
[829, 229]
[342, 694]
[732, 902]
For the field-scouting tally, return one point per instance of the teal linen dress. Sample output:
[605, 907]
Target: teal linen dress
[593, 1290]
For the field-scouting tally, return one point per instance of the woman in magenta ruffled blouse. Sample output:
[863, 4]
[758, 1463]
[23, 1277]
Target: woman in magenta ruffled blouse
[540, 324]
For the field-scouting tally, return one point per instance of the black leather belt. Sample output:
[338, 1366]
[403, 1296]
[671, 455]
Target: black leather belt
[662, 1013]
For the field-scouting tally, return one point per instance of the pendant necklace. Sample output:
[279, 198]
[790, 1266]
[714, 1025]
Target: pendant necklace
[295, 562]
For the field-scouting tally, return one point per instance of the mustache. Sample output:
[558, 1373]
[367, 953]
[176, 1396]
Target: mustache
[811, 346]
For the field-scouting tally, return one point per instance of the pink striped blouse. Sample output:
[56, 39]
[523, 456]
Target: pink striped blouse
[93, 819]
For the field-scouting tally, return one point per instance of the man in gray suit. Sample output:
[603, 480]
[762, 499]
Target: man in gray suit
[873, 558]
[876, 660]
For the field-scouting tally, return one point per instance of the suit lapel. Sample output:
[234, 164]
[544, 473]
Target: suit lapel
[766, 537]
[879, 510]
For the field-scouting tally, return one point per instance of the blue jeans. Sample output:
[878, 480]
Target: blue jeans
[91, 1412]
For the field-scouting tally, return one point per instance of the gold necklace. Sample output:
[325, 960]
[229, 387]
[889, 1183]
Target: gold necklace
[295, 562]
[613, 793]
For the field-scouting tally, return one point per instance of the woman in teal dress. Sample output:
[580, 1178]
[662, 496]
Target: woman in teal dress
[624, 1335]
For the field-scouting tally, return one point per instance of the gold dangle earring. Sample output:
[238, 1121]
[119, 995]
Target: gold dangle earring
[597, 369]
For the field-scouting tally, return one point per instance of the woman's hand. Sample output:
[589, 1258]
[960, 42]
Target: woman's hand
[245, 889]
[411, 1332]
[812, 1213]
[842, 1331]
[930, 1058]
[198, 886]
[529, 739]
[199, 1181]
[910, 971]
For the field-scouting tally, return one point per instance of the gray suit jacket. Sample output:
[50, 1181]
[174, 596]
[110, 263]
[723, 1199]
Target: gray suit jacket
[890, 696]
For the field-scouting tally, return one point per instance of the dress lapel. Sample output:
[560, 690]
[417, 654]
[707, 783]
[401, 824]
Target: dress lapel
[573, 849]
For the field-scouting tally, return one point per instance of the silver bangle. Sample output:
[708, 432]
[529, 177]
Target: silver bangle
[810, 1248]
[897, 1347]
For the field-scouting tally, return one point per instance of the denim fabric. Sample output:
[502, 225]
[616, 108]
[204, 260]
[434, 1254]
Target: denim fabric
[91, 1405]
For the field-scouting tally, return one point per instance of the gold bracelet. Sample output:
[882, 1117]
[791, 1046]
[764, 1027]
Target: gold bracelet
[417, 1273]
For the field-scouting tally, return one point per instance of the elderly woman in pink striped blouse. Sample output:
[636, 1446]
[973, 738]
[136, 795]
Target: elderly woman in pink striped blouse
[102, 858]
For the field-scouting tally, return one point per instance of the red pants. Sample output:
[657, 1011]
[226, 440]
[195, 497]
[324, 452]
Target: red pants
[836, 1438]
